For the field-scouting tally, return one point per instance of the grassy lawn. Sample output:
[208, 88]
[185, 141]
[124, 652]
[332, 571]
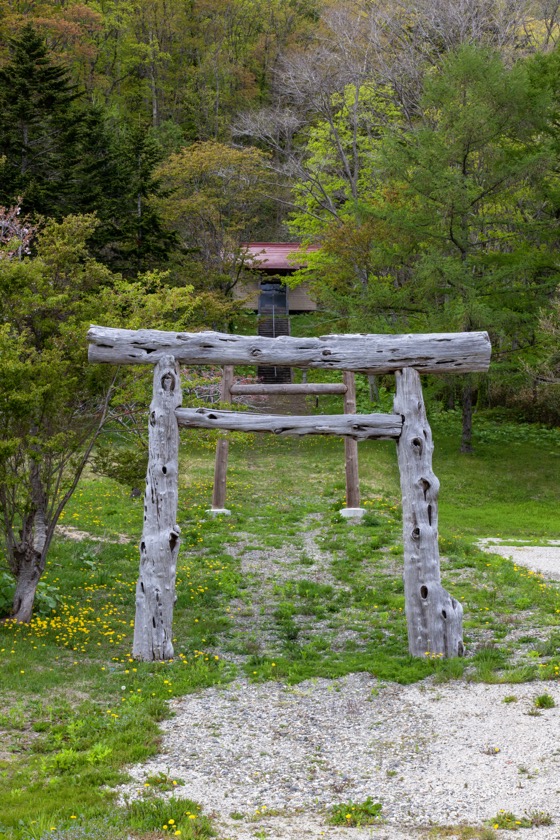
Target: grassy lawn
[282, 589]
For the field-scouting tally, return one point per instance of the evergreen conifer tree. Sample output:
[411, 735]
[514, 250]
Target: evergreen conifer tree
[39, 127]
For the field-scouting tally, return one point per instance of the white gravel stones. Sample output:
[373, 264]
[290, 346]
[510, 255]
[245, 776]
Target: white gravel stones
[540, 558]
[432, 754]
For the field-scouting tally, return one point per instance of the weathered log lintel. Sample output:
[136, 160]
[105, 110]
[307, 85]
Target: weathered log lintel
[357, 426]
[427, 353]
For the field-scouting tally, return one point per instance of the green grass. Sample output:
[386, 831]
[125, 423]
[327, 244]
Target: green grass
[76, 709]
[356, 813]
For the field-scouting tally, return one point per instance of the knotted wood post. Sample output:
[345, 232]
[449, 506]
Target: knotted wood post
[434, 618]
[352, 509]
[155, 590]
[222, 451]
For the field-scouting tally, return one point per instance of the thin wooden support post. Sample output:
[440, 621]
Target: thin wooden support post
[155, 590]
[434, 618]
[352, 509]
[222, 451]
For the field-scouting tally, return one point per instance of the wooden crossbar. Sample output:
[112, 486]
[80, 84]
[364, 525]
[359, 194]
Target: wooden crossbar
[310, 389]
[357, 426]
[426, 353]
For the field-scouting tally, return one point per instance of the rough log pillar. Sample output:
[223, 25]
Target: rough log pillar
[352, 509]
[155, 590]
[434, 618]
[222, 451]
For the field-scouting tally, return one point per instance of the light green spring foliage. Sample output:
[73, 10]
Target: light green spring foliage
[440, 229]
[51, 398]
[341, 158]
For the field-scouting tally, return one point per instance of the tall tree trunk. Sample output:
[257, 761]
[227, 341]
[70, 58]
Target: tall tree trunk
[373, 387]
[468, 399]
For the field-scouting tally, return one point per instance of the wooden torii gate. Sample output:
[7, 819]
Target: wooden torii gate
[434, 617]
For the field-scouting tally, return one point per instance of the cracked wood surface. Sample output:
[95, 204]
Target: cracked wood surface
[159, 548]
[427, 353]
[357, 426]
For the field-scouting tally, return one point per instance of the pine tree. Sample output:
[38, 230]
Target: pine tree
[39, 127]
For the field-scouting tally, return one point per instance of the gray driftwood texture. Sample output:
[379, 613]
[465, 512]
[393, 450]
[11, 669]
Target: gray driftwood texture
[358, 426]
[434, 618]
[428, 353]
[155, 590]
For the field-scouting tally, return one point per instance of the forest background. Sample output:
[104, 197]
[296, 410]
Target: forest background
[143, 143]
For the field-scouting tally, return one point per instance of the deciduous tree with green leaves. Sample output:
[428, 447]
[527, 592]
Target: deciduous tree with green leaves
[215, 199]
[448, 233]
[465, 197]
[53, 404]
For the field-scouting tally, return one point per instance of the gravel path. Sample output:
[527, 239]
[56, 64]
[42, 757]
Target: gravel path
[541, 558]
[276, 757]
[432, 754]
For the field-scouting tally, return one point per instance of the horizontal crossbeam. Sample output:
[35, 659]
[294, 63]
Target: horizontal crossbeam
[427, 353]
[357, 426]
[311, 388]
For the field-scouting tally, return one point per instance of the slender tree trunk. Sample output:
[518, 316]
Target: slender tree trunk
[29, 555]
[373, 387]
[153, 82]
[468, 397]
[28, 578]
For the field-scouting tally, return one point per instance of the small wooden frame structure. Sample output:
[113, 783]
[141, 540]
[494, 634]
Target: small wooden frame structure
[346, 388]
[434, 618]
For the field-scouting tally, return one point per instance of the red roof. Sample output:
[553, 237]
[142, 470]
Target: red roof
[276, 255]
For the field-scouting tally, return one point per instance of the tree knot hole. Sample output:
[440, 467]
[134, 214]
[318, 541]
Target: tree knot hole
[430, 514]
[425, 484]
[168, 382]
[417, 445]
[444, 613]
[424, 592]
[152, 418]
[164, 470]
[416, 534]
